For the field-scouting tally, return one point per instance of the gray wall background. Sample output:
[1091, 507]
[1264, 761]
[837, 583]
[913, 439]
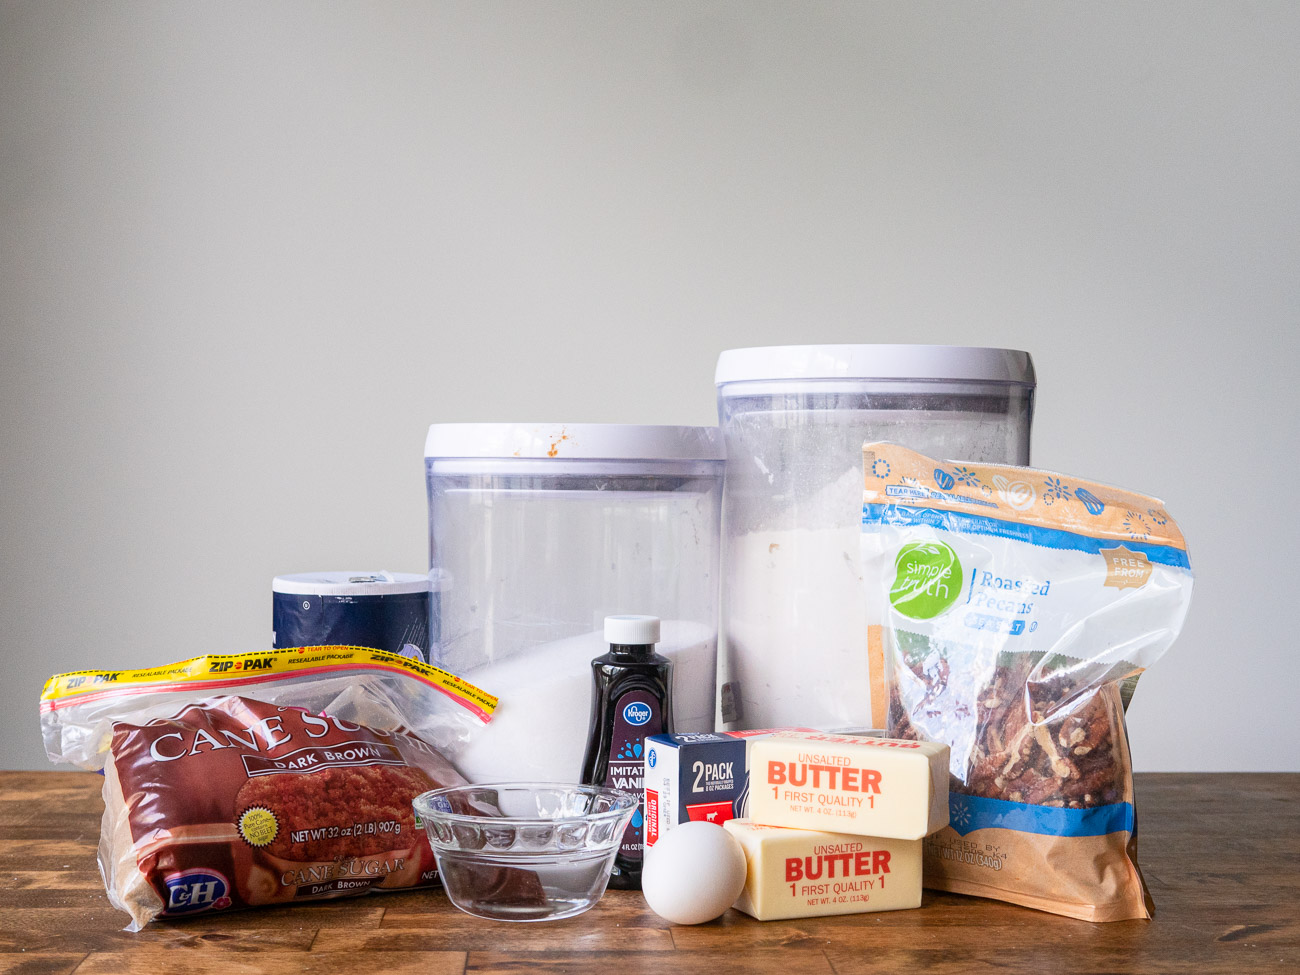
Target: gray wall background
[249, 251]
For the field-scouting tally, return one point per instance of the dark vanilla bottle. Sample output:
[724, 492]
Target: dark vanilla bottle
[631, 699]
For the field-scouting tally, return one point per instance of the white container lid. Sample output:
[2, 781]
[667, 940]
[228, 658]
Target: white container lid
[573, 441]
[924, 362]
[350, 583]
[632, 631]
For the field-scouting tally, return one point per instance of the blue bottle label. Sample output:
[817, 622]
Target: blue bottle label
[637, 714]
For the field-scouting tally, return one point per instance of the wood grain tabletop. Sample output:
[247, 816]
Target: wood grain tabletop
[1221, 853]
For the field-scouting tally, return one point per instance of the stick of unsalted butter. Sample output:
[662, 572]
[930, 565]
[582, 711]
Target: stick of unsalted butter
[849, 784]
[810, 873]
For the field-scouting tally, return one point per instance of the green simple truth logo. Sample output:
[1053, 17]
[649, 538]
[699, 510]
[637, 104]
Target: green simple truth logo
[927, 580]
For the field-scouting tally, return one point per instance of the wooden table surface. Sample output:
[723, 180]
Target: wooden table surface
[1221, 853]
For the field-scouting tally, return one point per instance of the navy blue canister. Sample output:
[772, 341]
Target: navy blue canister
[382, 610]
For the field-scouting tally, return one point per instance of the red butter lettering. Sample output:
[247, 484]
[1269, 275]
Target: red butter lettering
[823, 776]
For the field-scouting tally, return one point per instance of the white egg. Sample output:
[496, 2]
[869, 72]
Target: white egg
[693, 873]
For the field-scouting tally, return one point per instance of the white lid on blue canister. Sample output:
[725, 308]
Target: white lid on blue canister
[572, 441]
[379, 583]
[954, 363]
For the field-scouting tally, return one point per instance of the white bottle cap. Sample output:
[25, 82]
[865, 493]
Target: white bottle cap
[632, 631]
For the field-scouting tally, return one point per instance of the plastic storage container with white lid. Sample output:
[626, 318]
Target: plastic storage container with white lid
[537, 532]
[794, 419]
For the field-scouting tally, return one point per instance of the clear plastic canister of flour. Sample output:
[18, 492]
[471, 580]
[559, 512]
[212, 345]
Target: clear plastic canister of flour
[794, 419]
[537, 532]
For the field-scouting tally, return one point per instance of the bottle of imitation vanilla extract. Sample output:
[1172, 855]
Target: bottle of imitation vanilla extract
[631, 699]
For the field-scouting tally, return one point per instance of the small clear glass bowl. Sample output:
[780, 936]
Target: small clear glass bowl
[525, 851]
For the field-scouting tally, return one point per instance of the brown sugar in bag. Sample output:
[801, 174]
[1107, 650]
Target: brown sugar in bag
[1011, 613]
[221, 801]
[238, 803]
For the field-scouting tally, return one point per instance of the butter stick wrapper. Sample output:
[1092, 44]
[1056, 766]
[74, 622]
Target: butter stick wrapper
[811, 873]
[849, 784]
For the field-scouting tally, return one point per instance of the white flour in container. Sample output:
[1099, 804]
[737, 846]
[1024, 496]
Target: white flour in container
[796, 625]
[785, 676]
[539, 730]
[794, 618]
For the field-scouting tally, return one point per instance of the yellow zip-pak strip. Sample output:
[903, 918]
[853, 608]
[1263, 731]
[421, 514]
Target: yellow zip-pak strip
[238, 669]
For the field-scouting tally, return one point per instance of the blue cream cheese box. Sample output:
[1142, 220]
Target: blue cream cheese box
[700, 776]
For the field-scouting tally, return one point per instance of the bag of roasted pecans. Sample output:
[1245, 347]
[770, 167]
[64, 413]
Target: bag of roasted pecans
[1010, 613]
[266, 778]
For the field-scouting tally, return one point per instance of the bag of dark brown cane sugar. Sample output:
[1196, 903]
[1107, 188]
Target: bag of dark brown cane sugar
[1011, 612]
[261, 779]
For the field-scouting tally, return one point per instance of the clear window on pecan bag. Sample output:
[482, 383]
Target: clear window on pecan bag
[1011, 612]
